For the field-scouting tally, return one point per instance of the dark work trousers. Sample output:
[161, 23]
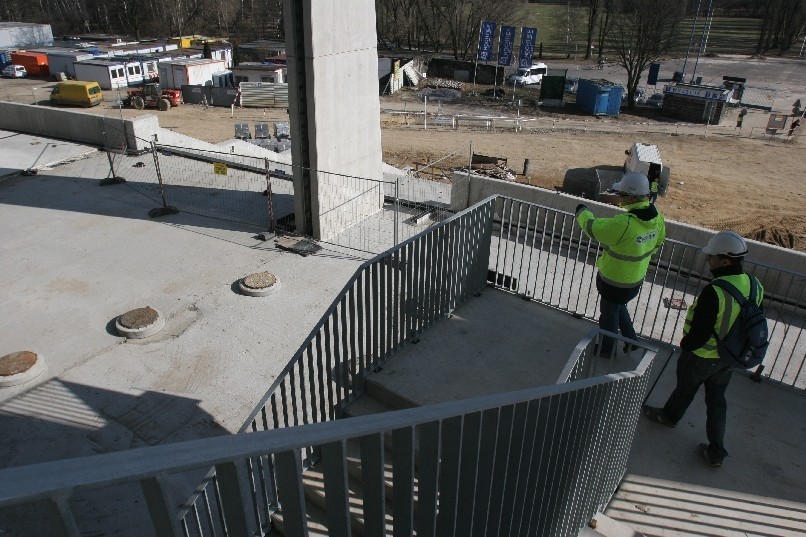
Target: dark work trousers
[613, 314]
[693, 371]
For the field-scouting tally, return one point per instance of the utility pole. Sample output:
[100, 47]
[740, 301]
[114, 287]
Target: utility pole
[690, 39]
[703, 38]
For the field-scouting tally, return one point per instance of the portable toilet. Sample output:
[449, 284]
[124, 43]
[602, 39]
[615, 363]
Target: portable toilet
[599, 97]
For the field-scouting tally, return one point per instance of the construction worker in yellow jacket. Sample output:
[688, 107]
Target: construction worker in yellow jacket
[713, 312]
[628, 241]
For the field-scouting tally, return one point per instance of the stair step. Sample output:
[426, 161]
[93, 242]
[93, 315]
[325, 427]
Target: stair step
[386, 396]
[316, 522]
[313, 481]
[366, 405]
[604, 526]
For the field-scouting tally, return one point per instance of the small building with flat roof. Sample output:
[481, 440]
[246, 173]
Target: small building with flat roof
[696, 103]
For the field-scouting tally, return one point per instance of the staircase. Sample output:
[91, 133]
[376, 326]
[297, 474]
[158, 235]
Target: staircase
[376, 399]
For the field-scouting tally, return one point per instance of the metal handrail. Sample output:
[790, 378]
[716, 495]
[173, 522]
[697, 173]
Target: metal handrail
[541, 254]
[546, 432]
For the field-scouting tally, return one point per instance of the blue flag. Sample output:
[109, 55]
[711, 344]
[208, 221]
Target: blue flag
[528, 38]
[486, 36]
[506, 44]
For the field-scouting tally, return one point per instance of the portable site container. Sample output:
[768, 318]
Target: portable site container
[257, 72]
[192, 72]
[218, 51]
[36, 63]
[148, 71]
[109, 74]
[61, 61]
[599, 97]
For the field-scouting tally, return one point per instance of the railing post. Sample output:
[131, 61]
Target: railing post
[63, 524]
[397, 208]
[269, 201]
[231, 499]
[165, 209]
[160, 507]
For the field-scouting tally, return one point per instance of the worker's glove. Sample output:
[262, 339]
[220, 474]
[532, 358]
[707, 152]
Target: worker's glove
[581, 207]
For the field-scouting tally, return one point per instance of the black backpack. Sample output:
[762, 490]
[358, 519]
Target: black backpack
[745, 344]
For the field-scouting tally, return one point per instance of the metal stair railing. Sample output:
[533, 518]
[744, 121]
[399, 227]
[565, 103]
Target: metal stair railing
[541, 254]
[540, 461]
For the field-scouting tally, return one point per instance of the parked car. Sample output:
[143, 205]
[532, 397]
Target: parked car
[532, 75]
[15, 71]
[655, 100]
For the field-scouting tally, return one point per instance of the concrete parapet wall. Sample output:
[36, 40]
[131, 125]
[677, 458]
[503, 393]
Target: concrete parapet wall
[77, 126]
[469, 189]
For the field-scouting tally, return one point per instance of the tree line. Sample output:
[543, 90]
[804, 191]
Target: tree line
[437, 26]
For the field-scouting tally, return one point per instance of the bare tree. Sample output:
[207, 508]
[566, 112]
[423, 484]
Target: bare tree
[593, 16]
[643, 31]
[606, 17]
[462, 20]
[781, 24]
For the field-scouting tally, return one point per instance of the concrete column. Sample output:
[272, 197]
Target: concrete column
[334, 113]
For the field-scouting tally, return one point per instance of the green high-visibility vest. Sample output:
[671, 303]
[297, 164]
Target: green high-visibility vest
[627, 242]
[727, 312]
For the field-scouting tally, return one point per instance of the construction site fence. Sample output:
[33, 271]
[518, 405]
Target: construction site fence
[546, 125]
[257, 190]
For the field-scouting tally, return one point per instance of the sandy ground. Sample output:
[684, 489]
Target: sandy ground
[754, 186]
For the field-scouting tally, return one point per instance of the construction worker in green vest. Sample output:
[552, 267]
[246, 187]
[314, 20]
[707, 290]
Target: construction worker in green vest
[653, 190]
[713, 313]
[628, 241]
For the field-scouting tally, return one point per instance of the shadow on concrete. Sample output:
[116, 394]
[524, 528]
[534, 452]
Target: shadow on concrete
[223, 209]
[59, 420]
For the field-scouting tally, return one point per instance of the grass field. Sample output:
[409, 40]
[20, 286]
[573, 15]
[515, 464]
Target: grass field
[726, 36]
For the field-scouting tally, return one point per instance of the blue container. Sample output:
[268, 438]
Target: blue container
[5, 58]
[599, 97]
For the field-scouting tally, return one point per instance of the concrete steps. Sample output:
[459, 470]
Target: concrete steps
[313, 479]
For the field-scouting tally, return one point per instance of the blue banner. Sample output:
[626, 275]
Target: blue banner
[506, 44]
[528, 38]
[486, 37]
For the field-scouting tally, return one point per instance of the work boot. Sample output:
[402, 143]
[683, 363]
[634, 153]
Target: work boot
[656, 414]
[629, 348]
[602, 353]
[712, 461]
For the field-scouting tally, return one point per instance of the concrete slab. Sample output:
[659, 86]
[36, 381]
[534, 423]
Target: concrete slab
[74, 256]
[20, 152]
[492, 343]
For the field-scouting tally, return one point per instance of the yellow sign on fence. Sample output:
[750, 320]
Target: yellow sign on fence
[219, 168]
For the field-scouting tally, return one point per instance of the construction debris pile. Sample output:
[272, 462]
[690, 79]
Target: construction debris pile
[443, 83]
[495, 167]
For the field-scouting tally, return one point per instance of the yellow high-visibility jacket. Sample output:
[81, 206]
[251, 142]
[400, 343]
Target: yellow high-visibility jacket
[727, 312]
[628, 240]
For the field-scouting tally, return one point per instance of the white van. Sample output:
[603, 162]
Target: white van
[532, 75]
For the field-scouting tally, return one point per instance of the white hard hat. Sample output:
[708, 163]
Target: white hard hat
[633, 183]
[727, 243]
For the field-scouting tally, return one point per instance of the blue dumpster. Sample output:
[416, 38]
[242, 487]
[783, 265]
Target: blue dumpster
[599, 97]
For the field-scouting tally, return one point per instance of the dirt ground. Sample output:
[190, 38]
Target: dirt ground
[753, 186]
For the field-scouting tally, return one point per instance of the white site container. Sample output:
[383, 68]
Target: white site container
[198, 71]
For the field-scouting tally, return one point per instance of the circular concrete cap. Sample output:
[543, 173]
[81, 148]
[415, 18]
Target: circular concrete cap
[259, 284]
[20, 367]
[140, 323]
